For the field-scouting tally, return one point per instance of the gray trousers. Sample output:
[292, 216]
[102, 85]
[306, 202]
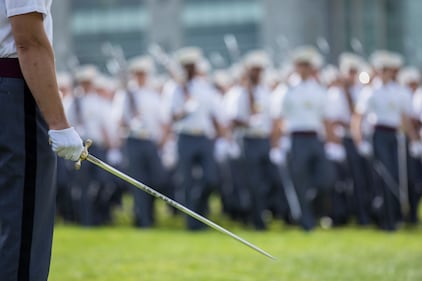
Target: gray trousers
[195, 153]
[258, 177]
[27, 196]
[309, 168]
[385, 151]
[144, 165]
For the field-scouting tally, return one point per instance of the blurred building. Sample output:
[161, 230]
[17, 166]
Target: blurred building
[222, 26]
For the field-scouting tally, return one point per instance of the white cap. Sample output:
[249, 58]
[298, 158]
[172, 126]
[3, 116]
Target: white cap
[64, 79]
[349, 61]
[141, 64]
[408, 75]
[223, 78]
[86, 73]
[396, 60]
[188, 55]
[385, 59]
[329, 74]
[307, 54]
[105, 82]
[257, 58]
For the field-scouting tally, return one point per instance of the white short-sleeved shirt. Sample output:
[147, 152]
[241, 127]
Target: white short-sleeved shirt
[337, 105]
[93, 112]
[10, 8]
[417, 104]
[260, 123]
[200, 119]
[149, 119]
[384, 104]
[303, 107]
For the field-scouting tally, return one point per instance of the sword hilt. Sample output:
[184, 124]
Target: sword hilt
[84, 154]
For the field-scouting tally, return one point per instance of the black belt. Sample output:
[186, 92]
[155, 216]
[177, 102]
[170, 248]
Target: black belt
[385, 128]
[304, 133]
[10, 68]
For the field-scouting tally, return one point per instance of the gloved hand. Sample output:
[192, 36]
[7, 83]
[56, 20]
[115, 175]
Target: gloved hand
[364, 149]
[221, 150]
[415, 149]
[234, 150]
[335, 152]
[114, 156]
[66, 143]
[277, 156]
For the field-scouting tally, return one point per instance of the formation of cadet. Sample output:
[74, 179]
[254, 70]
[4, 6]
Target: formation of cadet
[306, 143]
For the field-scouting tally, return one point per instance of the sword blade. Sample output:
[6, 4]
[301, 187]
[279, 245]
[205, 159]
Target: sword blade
[173, 203]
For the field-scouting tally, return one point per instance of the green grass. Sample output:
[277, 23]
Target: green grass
[170, 253]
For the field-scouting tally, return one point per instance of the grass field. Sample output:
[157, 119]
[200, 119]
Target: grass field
[170, 253]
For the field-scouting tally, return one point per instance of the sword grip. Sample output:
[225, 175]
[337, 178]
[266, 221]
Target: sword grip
[84, 154]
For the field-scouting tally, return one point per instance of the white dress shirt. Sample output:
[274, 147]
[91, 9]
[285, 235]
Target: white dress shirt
[203, 107]
[302, 107]
[260, 122]
[147, 120]
[384, 104]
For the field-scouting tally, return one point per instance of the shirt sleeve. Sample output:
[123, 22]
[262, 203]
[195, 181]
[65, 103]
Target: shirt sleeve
[21, 7]
[407, 103]
[276, 102]
[364, 101]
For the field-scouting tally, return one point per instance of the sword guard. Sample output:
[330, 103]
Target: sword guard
[84, 154]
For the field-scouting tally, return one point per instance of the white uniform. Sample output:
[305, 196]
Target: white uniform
[259, 123]
[337, 105]
[302, 106]
[384, 104]
[203, 106]
[147, 121]
[417, 105]
[10, 8]
[91, 121]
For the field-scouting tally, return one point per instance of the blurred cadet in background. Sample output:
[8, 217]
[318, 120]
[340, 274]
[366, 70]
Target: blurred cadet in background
[194, 109]
[144, 124]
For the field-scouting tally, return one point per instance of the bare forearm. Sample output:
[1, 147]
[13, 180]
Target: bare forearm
[37, 64]
[409, 128]
[36, 59]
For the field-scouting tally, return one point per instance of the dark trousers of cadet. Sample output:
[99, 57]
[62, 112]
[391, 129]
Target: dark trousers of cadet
[87, 185]
[144, 165]
[257, 175]
[414, 167]
[358, 171]
[385, 151]
[27, 171]
[309, 168]
[64, 195]
[195, 152]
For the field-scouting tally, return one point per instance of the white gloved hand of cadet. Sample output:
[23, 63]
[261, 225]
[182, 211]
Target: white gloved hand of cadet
[66, 143]
[365, 149]
[415, 149]
[335, 152]
[277, 156]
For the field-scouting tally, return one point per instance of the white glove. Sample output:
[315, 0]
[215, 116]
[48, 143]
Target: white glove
[335, 152]
[277, 156]
[191, 106]
[415, 149]
[114, 156]
[221, 150]
[233, 150]
[66, 143]
[365, 149]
